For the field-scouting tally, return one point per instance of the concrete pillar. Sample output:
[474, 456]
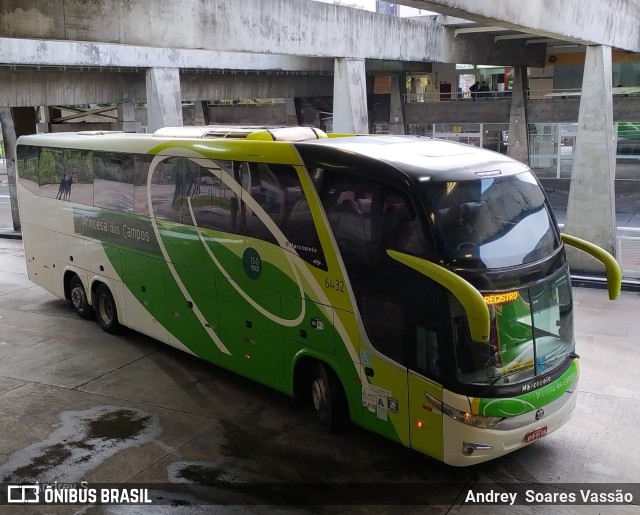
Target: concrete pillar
[164, 102]
[127, 118]
[518, 144]
[291, 114]
[45, 115]
[591, 207]
[350, 97]
[15, 122]
[201, 115]
[396, 107]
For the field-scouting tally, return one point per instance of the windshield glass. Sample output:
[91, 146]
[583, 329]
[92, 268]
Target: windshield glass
[491, 222]
[531, 334]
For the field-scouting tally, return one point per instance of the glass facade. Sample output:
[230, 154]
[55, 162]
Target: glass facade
[551, 145]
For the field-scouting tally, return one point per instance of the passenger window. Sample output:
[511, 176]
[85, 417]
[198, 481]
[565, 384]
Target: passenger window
[78, 166]
[141, 164]
[401, 226]
[113, 181]
[51, 178]
[427, 359]
[385, 322]
[368, 218]
[349, 207]
[28, 162]
[167, 189]
[276, 189]
[213, 202]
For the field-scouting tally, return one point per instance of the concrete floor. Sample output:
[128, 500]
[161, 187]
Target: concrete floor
[77, 403]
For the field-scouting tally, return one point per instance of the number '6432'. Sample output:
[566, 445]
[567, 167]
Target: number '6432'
[334, 284]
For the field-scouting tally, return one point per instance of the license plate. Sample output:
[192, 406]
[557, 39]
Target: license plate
[535, 434]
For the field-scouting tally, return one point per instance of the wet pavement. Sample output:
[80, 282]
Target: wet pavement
[79, 404]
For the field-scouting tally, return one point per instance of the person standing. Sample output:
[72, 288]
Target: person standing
[483, 89]
[474, 89]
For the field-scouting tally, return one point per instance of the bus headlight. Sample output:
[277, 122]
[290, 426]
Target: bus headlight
[463, 416]
[469, 419]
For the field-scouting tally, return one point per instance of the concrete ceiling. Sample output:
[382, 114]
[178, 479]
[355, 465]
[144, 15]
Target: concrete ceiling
[614, 23]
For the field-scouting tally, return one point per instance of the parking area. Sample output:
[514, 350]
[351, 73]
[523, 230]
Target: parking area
[79, 404]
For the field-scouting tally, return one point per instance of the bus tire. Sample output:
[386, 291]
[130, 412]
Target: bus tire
[105, 308]
[328, 399]
[78, 298]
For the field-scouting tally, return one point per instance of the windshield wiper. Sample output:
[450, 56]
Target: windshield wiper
[491, 385]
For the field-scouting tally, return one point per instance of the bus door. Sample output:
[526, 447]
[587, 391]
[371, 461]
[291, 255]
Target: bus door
[399, 307]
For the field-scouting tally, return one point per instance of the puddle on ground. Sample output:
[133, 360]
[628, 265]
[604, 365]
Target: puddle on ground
[84, 440]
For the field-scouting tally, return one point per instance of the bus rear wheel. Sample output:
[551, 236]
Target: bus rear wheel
[78, 298]
[105, 308]
[329, 400]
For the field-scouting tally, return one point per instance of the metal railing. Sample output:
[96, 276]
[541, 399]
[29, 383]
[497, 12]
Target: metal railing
[627, 251]
[536, 94]
[455, 96]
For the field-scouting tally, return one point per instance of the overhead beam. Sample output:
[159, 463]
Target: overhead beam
[28, 87]
[33, 52]
[477, 28]
[615, 23]
[302, 28]
[512, 36]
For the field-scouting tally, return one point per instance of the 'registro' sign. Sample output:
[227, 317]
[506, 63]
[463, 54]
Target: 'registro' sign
[501, 298]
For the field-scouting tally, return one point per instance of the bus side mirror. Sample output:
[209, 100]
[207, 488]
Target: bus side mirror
[472, 301]
[614, 274]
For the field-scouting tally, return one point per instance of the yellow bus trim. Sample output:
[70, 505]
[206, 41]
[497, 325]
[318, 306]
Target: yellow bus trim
[470, 298]
[614, 273]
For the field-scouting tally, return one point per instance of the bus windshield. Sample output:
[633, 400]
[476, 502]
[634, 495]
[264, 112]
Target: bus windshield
[531, 334]
[491, 222]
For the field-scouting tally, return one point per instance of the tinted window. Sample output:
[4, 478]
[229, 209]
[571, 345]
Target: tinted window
[492, 222]
[51, 178]
[208, 198]
[214, 204]
[141, 165]
[401, 309]
[28, 167]
[78, 166]
[113, 181]
[167, 189]
[278, 192]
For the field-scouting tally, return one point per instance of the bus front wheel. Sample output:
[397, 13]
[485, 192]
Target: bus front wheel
[105, 308]
[329, 400]
[78, 298]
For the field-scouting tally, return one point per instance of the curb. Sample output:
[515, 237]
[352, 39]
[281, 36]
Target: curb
[11, 235]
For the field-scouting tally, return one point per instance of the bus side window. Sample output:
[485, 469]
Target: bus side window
[141, 164]
[50, 169]
[427, 360]
[277, 190]
[385, 322]
[113, 181]
[78, 165]
[348, 205]
[28, 163]
[167, 189]
[209, 202]
[401, 228]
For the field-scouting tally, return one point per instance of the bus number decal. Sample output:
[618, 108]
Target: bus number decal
[334, 284]
[252, 263]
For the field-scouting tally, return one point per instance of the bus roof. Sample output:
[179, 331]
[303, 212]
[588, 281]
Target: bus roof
[420, 157]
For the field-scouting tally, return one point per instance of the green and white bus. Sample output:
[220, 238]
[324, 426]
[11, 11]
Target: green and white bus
[418, 288]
